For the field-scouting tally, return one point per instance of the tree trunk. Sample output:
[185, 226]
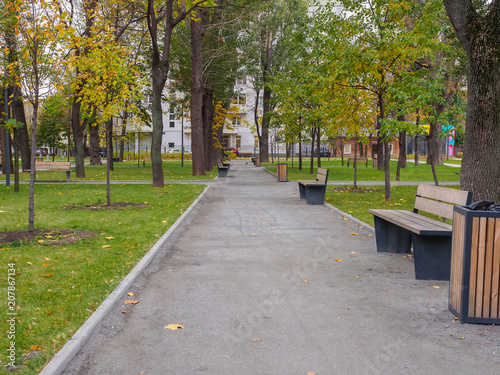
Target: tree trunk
[318, 146]
[313, 136]
[387, 172]
[479, 36]
[16, 160]
[18, 112]
[197, 132]
[19, 115]
[31, 204]
[208, 125]
[380, 137]
[109, 159]
[402, 154]
[78, 130]
[109, 144]
[300, 151]
[95, 157]
[123, 135]
[355, 165]
[266, 60]
[435, 144]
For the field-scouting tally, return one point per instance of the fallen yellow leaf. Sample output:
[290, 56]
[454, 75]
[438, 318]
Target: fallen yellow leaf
[41, 241]
[30, 263]
[435, 287]
[106, 246]
[253, 234]
[174, 327]
[130, 294]
[256, 340]
[338, 260]
[110, 238]
[310, 373]
[130, 302]
[49, 274]
[354, 234]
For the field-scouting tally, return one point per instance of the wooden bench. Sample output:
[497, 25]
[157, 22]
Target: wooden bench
[397, 230]
[314, 190]
[358, 161]
[53, 166]
[146, 159]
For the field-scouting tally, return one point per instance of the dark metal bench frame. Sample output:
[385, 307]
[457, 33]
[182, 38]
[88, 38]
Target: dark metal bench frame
[314, 190]
[397, 230]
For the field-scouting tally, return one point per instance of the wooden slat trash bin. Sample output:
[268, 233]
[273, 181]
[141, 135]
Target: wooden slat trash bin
[475, 266]
[282, 172]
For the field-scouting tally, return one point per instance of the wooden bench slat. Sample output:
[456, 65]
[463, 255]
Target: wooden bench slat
[453, 196]
[413, 222]
[434, 207]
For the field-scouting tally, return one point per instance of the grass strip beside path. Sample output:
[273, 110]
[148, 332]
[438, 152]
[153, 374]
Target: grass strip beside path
[59, 287]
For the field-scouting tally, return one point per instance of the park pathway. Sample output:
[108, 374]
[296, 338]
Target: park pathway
[264, 284]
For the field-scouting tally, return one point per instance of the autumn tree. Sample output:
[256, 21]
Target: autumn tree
[478, 29]
[265, 55]
[38, 72]
[371, 46]
[162, 20]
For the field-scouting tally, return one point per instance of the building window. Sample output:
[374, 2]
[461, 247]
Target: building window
[171, 144]
[236, 121]
[242, 99]
[242, 81]
[347, 148]
[172, 120]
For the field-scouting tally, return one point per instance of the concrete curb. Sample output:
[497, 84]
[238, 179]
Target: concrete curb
[352, 218]
[59, 362]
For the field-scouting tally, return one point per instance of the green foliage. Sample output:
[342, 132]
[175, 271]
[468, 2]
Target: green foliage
[54, 122]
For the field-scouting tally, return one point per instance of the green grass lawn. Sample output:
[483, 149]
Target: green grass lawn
[59, 287]
[128, 170]
[341, 173]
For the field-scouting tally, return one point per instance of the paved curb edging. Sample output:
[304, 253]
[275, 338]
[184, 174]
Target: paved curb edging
[352, 218]
[59, 362]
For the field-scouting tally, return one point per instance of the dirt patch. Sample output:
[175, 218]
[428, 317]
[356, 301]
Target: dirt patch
[351, 189]
[104, 206]
[46, 236]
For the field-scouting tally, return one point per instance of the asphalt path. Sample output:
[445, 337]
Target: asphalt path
[264, 284]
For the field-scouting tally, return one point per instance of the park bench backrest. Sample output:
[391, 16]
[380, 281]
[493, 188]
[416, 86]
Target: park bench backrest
[439, 201]
[322, 175]
[52, 165]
